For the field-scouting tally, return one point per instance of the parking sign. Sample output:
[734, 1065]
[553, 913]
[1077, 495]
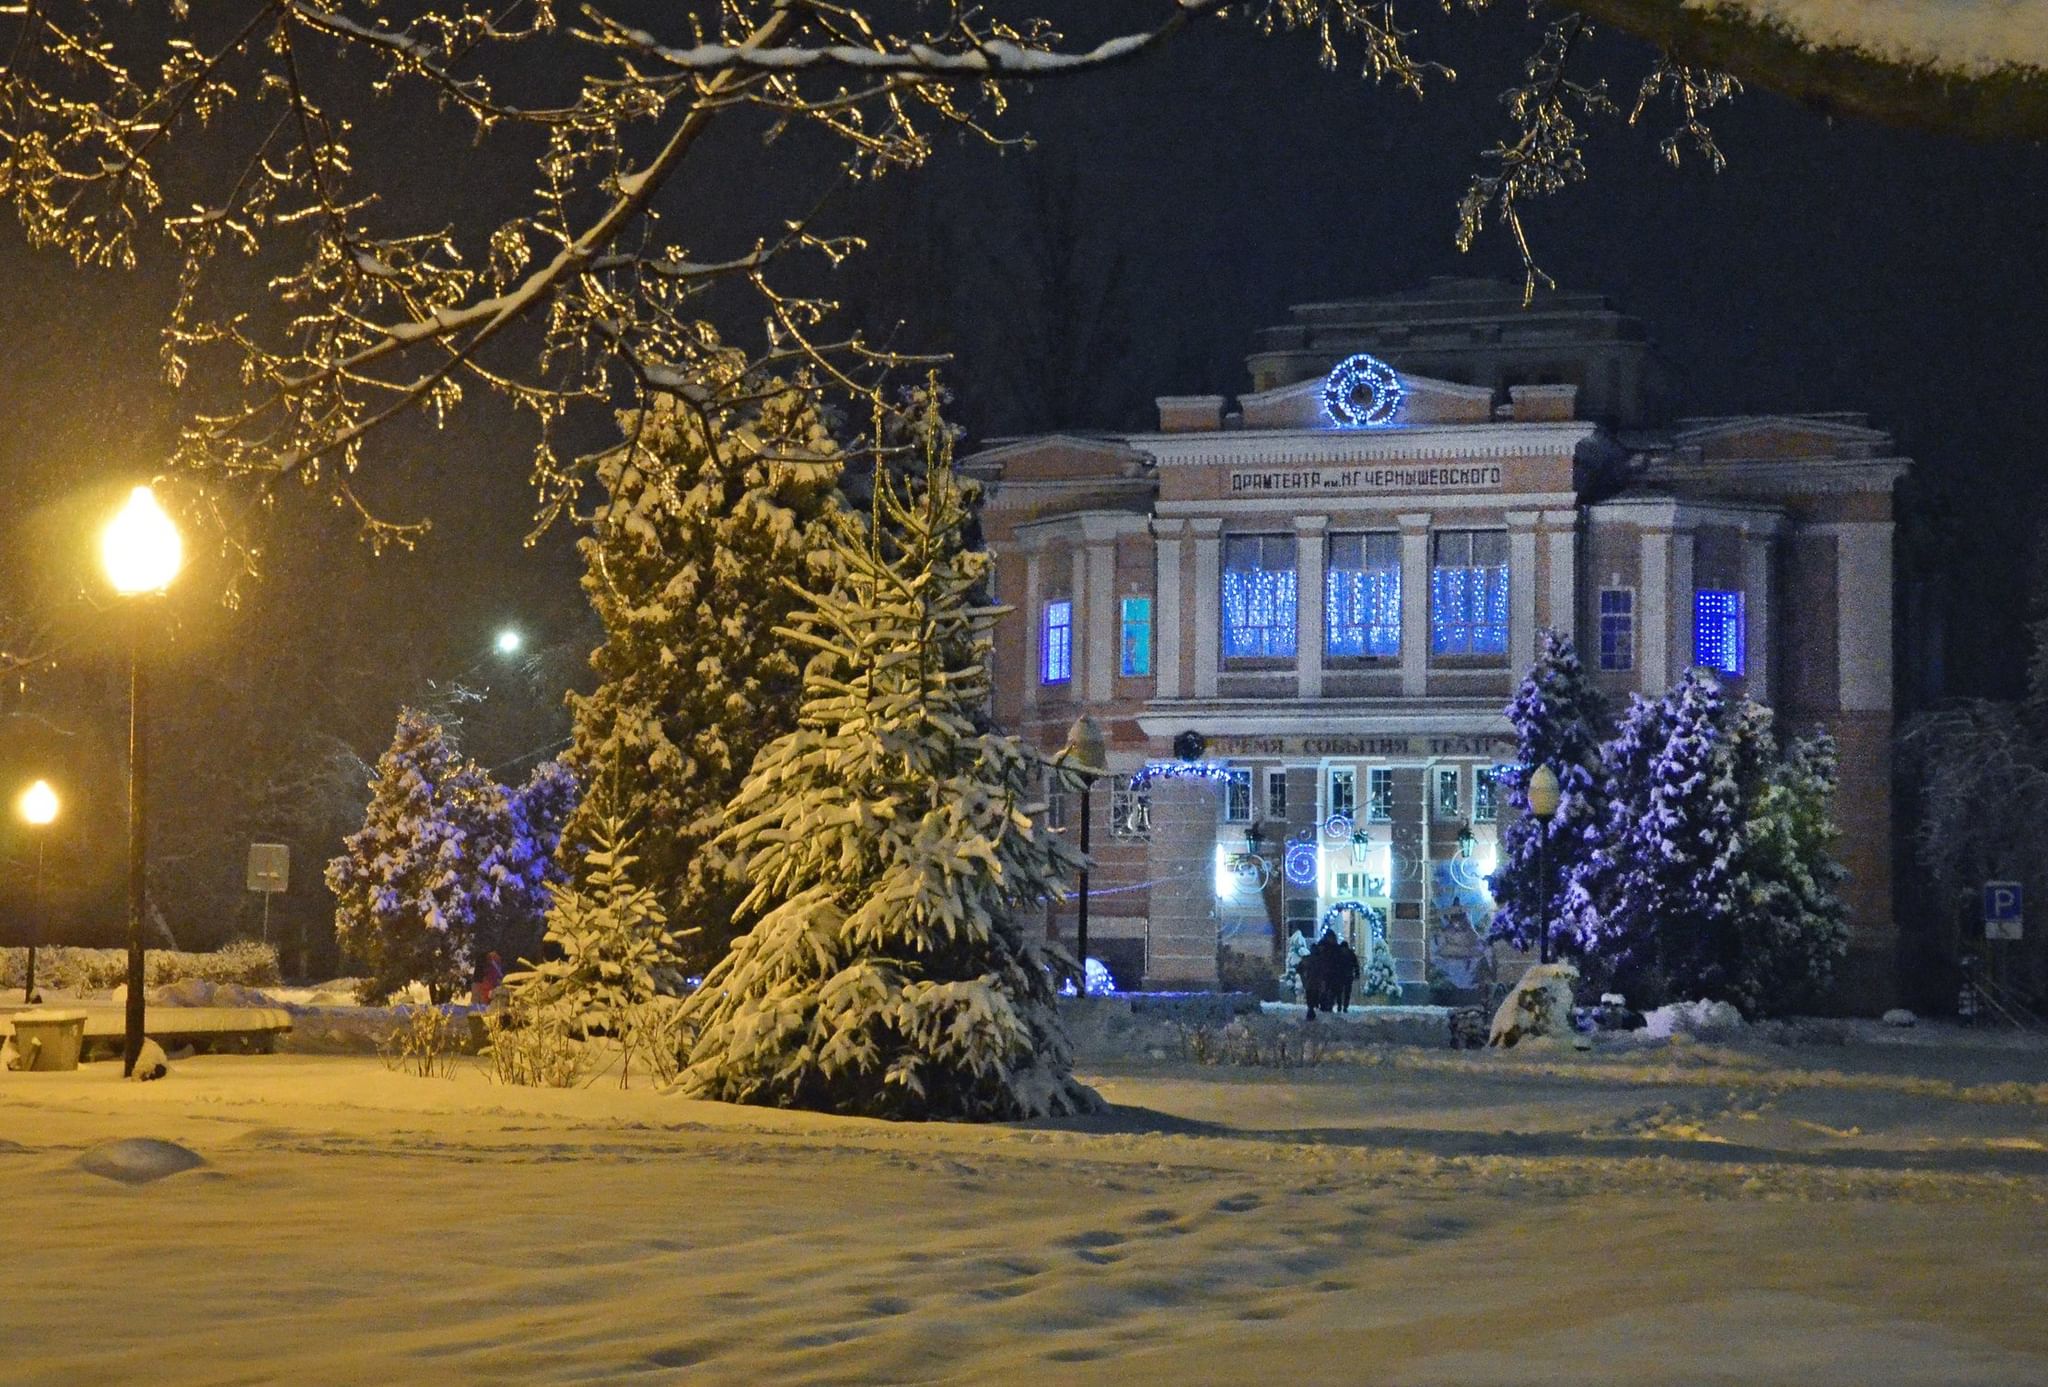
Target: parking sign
[2002, 914]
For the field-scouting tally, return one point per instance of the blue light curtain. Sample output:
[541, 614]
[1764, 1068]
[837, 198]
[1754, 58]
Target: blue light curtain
[1259, 597]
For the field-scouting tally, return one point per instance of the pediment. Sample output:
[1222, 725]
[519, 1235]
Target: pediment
[1424, 400]
[1768, 436]
[1056, 457]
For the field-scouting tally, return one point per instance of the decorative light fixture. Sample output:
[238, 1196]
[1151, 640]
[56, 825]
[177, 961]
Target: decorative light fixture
[140, 548]
[1466, 838]
[1356, 375]
[509, 640]
[1302, 862]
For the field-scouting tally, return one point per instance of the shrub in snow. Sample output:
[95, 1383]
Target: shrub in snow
[534, 1048]
[1558, 717]
[150, 1063]
[61, 968]
[1701, 1020]
[710, 531]
[1790, 928]
[607, 944]
[1540, 1004]
[426, 1041]
[1899, 1016]
[892, 855]
[1379, 978]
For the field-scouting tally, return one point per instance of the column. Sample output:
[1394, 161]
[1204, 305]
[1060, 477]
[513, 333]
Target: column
[1166, 633]
[1033, 619]
[1521, 590]
[1308, 607]
[1563, 613]
[1208, 600]
[1863, 616]
[1104, 612]
[1653, 611]
[1415, 604]
[1759, 596]
[1680, 648]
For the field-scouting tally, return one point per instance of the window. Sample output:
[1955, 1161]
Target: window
[1130, 809]
[1485, 794]
[1276, 793]
[1468, 594]
[1343, 791]
[1447, 796]
[1237, 797]
[1617, 628]
[1258, 597]
[1059, 641]
[1718, 638]
[1354, 886]
[1055, 802]
[1362, 595]
[1379, 794]
[1137, 641]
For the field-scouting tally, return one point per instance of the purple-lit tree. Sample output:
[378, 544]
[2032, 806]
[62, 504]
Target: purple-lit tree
[1558, 718]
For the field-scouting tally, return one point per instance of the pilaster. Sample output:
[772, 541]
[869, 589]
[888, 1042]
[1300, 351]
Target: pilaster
[1414, 603]
[1312, 593]
[1166, 631]
[1521, 590]
[1208, 602]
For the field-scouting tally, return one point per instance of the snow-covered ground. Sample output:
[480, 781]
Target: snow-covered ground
[1868, 1212]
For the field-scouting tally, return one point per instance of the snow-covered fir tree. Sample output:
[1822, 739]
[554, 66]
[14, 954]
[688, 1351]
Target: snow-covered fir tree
[524, 829]
[405, 896]
[1379, 977]
[1790, 927]
[608, 945]
[1559, 718]
[711, 530]
[891, 849]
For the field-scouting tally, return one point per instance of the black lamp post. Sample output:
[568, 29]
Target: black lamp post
[1084, 756]
[1543, 798]
[142, 552]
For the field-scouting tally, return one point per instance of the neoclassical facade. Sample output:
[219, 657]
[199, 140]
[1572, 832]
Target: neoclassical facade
[1330, 587]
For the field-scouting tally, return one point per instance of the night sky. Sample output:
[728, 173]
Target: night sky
[1184, 203]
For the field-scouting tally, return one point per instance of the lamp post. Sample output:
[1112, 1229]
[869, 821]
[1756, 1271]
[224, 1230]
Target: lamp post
[509, 642]
[141, 552]
[1543, 798]
[39, 808]
[1085, 753]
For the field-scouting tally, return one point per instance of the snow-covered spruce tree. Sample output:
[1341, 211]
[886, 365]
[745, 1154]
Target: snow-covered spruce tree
[892, 854]
[1654, 901]
[404, 901]
[609, 942]
[711, 531]
[520, 830]
[1559, 718]
[1790, 928]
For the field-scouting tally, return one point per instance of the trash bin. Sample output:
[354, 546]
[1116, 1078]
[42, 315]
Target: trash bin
[48, 1040]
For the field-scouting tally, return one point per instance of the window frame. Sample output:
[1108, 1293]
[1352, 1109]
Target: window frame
[1438, 810]
[1268, 638]
[1141, 667]
[1486, 807]
[1735, 629]
[1331, 776]
[1493, 630]
[1366, 654]
[1625, 623]
[1379, 794]
[1276, 806]
[1046, 628]
[1235, 777]
[1123, 797]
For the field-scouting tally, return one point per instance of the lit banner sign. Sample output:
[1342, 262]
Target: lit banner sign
[1324, 481]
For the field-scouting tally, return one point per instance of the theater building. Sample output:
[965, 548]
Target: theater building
[1328, 588]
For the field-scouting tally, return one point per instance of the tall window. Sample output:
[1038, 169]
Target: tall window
[1137, 641]
[1379, 794]
[1719, 640]
[1617, 628]
[1485, 794]
[1258, 597]
[1343, 790]
[1447, 806]
[1059, 641]
[1276, 793]
[1130, 809]
[1468, 593]
[1055, 802]
[1237, 797]
[1362, 595]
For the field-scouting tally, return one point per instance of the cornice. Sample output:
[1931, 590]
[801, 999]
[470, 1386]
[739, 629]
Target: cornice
[1421, 442]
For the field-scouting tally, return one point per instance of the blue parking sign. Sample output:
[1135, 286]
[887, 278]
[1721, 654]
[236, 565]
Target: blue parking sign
[2002, 910]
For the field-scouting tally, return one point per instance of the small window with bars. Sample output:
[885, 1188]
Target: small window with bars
[1237, 797]
[1617, 628]
[1379, 794]
[1130, 810]
[1343, 791]
[1059, 642]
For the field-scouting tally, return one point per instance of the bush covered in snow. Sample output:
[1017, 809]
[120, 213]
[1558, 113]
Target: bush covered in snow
[61, 968]
[892, 854]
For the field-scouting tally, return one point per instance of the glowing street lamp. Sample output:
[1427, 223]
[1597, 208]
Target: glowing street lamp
[509, 642]
[38, 806]
[142, 553]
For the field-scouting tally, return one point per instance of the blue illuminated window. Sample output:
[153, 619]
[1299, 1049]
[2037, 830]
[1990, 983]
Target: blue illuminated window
[1617, 628]
[1059, 641]
[1362, 595]
[1258, 597]
[1468, 593]
[1719, 639]
[1485, 794]
[1137, 641]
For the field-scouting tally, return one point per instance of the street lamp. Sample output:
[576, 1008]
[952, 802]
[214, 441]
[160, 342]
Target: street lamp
[141, 551]
[38, 805]
[1543, 798]
[1084, 755]
[509, 641]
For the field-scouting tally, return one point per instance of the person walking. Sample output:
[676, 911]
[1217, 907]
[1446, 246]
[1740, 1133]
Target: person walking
[1348, 969]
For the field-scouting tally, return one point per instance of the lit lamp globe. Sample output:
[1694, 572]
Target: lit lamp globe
[509, 642]
[39, 804]
[140, 549]
[1543, 792]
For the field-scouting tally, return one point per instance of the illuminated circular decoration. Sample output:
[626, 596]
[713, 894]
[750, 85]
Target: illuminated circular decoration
[1249, 869]
[1466, 876]
[1337, 828]
[1361, 375]
[1301, 863]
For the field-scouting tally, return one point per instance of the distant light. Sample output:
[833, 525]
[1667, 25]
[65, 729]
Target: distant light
[509, 641]
[39, 803]
[140, 548]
